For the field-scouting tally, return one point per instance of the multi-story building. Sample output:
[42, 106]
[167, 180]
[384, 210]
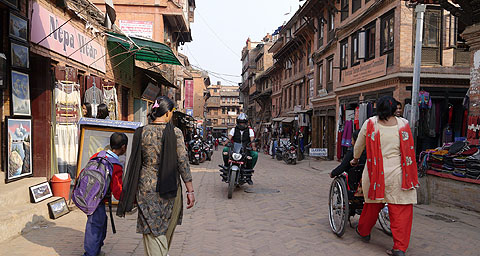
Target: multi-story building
[249, 52]
[223, 107]
[359, 50]
[164, 21]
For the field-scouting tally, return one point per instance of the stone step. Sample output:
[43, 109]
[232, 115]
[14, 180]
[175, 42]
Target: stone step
[20, 219]
[17, 192]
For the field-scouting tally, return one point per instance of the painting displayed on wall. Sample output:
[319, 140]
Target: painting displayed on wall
[18, 27]
[58, 208]
[40, 192]
[19, 148]
[11, 3]
[20, 94]
[19, 56]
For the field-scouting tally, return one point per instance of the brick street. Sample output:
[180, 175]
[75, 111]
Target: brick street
[286, 216]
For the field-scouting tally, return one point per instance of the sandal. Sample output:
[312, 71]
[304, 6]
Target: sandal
[393, 252]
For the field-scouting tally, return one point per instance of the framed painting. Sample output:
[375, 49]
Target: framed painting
[11, 3]
[95, 137]
[19, 56]
[40, 192]
[18, 27]
[20, 94]
[19, 148]
[58, 208]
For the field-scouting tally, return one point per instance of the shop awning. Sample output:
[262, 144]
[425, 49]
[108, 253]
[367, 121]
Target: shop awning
[145, 50]
[154, 76]
[278, 119]
[288, 120]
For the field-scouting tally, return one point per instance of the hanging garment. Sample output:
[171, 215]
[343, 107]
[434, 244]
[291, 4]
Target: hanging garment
[339, 145]
[93, 96]
[356, 119]
[432, 122]
[66, 145]
[425, 101]
[110, 99]
[347, 134]
[369, 110]
[362, 116]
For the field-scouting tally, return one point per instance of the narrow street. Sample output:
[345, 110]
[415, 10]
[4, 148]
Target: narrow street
[286, 214]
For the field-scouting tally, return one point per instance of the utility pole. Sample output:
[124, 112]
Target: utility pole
[420, 11]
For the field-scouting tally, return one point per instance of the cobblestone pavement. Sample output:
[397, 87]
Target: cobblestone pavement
[286, 215]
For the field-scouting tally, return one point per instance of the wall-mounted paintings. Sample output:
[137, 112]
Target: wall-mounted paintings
[18, 27]
[19, 55]
[20, 94]
[19, 148]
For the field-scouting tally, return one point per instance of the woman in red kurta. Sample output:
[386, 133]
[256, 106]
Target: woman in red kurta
[390, 175]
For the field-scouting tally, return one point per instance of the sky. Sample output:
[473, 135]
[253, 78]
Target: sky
[221, 29]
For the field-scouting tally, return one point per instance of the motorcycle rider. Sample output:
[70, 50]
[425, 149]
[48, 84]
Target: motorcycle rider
[242, 133]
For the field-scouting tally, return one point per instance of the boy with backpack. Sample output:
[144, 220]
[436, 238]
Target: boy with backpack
[106, 171]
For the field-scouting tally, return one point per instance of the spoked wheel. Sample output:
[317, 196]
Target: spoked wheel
[338, 212]
[384, 220]
[231, 184]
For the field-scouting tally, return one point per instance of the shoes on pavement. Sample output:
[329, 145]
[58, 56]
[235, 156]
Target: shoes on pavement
[250, 182]
[365, 239]
[393, 252]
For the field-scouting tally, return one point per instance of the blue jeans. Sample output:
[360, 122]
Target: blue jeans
[95, 231]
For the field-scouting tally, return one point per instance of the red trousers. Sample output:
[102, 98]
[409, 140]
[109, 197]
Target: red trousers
[401, 216]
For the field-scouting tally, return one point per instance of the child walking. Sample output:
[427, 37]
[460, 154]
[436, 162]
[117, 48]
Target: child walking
[96, 228]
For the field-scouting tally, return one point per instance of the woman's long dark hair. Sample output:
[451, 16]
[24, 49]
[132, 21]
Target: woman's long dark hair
[160, 107]
[102, 111]
[386, 107]
[88, 106]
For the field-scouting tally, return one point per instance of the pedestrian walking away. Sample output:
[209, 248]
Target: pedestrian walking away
[391, 175]
[96, 227]
[155, 179]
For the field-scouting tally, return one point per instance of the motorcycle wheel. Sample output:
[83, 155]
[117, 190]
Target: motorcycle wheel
[294, 161]
[203, 157]
[231, 184]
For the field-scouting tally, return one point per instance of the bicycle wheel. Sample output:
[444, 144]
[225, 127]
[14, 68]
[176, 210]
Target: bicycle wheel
[384, 220]
[338, 212]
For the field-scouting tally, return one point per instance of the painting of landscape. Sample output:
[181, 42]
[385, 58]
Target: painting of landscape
[19, 148]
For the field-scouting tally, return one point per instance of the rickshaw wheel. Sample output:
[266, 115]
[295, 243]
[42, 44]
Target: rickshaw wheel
[338, 212]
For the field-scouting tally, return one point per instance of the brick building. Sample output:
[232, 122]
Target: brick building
[334, 56]
[223, 107]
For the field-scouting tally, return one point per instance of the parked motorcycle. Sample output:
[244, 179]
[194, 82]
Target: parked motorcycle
[279, 152]
[208, 149]
[236, 173]
[290, 153]
[195, 152]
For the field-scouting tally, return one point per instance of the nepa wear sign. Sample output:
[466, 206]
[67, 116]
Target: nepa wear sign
[65, 40]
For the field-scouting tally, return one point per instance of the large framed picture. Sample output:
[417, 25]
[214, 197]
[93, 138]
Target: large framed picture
[18, 27]
[11, 3]
[19, 55]
[19, 148]
[95, 137]
[20, 94]
[58, 208]
[40, 192]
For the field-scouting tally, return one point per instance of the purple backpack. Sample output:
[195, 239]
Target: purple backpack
[93, 183]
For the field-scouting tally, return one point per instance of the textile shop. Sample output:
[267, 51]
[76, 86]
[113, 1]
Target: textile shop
[65, 75]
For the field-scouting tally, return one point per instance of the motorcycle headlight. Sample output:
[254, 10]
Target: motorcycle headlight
[236, 156]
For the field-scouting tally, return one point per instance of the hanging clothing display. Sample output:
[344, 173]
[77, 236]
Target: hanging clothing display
[110, 99]
[94, 95]
[357, 118]
[362, 113]
[67, 113]
[347, 134]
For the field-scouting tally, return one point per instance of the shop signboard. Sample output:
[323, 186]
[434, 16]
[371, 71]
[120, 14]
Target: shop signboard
[365, 71]
[318, 152]
[136, 28]
[151, 92]
[188, 94]
[47, 30]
